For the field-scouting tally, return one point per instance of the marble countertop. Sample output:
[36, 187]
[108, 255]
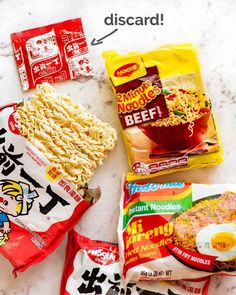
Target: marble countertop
[210, 24]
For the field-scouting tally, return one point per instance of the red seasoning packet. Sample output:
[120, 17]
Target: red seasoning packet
[53, 53]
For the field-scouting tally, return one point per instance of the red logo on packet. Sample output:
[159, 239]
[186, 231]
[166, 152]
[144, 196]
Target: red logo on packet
[126, 70]
[14, 123]
[103, 256]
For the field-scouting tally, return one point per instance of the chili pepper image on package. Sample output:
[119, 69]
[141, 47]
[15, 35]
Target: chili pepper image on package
[37, 204]
[164, 110]
[92, 267]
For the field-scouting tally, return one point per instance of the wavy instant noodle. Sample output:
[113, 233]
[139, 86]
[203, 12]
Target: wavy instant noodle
[72, 139]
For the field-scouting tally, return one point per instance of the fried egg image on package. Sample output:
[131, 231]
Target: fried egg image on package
[218, 240]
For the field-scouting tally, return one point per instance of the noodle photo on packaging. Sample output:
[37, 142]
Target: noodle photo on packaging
[164, 110]
[177, 230]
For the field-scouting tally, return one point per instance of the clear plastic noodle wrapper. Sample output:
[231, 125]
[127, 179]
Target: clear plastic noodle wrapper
[164, 110]
[92, 267]
[174, 231]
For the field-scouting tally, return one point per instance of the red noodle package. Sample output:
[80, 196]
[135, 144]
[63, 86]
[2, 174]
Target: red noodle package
[175, 231]
[53, 53]
[37, 205]
[92, 267]
[164, 110]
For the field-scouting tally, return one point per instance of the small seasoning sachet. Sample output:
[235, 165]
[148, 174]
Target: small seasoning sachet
[52, 53]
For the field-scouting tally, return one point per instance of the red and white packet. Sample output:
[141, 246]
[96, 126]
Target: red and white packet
[52, 53]
[37, 205]
[92, 268]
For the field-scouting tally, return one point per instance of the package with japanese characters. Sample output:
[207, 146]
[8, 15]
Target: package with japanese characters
[92, 267]
[37, 204]
[53, 53]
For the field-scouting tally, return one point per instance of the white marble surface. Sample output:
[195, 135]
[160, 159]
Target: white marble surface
[210, 24]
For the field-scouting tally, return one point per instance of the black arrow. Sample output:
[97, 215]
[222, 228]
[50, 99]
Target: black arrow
[99, 41]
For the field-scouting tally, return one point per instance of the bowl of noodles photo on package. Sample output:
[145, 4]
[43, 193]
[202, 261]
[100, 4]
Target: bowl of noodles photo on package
[209, 228]
[166, 115]
[187, 124]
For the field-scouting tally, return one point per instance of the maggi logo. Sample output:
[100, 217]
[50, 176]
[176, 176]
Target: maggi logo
[126, 70]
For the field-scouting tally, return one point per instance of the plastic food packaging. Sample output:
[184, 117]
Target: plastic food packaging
[37, 204]
[92, 267]
[177, 230]
[164, 110]
[52, 53]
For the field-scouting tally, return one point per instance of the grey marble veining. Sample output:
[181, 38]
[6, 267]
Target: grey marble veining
[210, 24]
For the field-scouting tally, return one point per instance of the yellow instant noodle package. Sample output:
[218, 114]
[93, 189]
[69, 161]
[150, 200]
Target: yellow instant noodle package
[164, 110]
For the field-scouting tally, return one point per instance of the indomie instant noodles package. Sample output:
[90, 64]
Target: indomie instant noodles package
[164, 110]
[92, 267]
[52, 53]
[177, 230]
[37, 204]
